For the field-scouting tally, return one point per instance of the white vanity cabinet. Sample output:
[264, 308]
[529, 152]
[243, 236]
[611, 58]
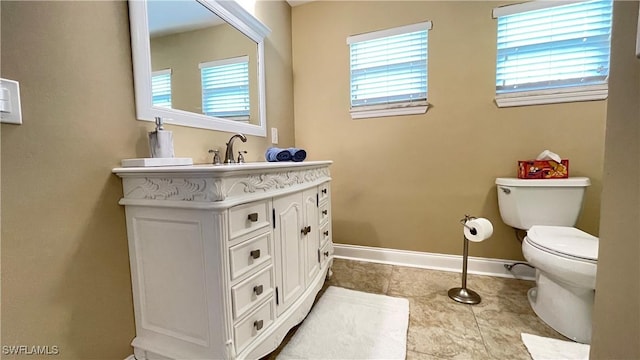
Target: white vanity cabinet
[225, 260]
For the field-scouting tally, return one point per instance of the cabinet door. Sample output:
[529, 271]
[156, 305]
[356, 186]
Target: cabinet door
[311, 239]
[289, 249]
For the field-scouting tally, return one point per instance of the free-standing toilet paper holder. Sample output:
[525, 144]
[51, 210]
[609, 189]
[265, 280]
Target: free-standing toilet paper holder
[462, 294]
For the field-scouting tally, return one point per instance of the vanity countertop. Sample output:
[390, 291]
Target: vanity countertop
[214, 183]
[221, 169]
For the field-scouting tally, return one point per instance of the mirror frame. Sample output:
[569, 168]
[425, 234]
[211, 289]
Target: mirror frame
[236, 16]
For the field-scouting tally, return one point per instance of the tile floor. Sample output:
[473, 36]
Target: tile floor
[440, 328]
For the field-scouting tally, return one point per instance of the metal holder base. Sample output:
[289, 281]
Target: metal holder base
[462, 294]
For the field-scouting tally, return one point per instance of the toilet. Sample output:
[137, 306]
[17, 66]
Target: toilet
[565, 258]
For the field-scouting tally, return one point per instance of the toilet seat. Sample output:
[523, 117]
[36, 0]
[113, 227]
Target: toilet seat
[566, 242]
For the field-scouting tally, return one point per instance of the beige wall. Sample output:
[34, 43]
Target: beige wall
[616, 322]
[405, 182]
[183, 52]
[65, 274]
[65, 270]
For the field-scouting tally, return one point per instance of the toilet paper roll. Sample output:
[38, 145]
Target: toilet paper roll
[477, 230]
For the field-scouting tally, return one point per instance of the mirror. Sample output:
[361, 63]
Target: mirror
[199, 64]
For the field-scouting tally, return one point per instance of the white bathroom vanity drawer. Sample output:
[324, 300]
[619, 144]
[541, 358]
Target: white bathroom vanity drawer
[324, 213]
[325, 233]
[324, 192]
[250, 254]
[326, 253]
[247, 294]
[246, 218]
[256, 323]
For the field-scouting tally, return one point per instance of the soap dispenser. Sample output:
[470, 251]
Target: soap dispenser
[161, 141]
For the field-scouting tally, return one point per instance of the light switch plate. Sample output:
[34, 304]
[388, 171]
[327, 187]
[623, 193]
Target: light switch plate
[638, 37]
[11, 112]
[274, 136]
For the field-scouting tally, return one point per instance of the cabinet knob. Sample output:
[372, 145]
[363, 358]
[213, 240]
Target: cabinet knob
[325, 212]
[305, 230]
[326, 233]
[258, 324]
[253, 217]
[324, 191]
[255, 253]
[257, 289]
[326, 254]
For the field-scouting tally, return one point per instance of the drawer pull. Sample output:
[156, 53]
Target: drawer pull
[257, 289]
[324, 191]
[258, 324]
[326, 233]
[305, 230]
[255, 253]
[326, 254]
[253, 217]
[325, 212]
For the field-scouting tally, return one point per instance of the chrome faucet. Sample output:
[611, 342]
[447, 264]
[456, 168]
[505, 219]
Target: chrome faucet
[228, 155]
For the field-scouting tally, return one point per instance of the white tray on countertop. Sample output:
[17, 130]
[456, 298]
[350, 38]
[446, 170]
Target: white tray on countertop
[147, 162]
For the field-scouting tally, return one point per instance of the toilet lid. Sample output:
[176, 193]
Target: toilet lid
[565, 240]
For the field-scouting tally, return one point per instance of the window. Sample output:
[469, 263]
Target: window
[389, 71]
[551, 52]
[225, 88]
[161, 88]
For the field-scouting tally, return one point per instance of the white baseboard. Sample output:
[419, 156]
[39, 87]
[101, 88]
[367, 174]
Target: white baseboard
[443, 262]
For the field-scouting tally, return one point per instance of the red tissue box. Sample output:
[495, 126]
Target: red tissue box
[543, 169]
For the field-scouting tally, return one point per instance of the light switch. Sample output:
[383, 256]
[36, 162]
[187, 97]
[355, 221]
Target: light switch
[274, 136]
[10, 111]
[5, 103]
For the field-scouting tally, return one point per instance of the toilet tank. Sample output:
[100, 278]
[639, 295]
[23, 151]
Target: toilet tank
[527, 202]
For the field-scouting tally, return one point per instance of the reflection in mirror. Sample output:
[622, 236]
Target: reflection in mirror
[199, 63]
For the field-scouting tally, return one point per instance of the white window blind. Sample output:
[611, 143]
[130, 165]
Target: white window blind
[389, 67]
[161, 88]
[560, 48]
[225, 88]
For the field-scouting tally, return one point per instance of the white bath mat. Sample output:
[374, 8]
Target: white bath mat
[348, 324]
[542, 348]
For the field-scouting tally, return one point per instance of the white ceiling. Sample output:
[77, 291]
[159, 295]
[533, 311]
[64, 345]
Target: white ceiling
[169, 17]
[175, 16]
[293, 3]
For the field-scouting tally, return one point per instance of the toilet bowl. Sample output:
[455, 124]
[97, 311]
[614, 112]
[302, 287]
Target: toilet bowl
[565, 259]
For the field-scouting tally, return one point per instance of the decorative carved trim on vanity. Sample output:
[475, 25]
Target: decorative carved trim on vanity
[274, 181]
[203, 188]
[164, 188]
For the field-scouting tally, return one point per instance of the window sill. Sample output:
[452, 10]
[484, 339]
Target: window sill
[586, 93]
[377, 111]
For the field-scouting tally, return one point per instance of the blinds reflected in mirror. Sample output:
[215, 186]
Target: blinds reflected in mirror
[161, 88]
[225, 88]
